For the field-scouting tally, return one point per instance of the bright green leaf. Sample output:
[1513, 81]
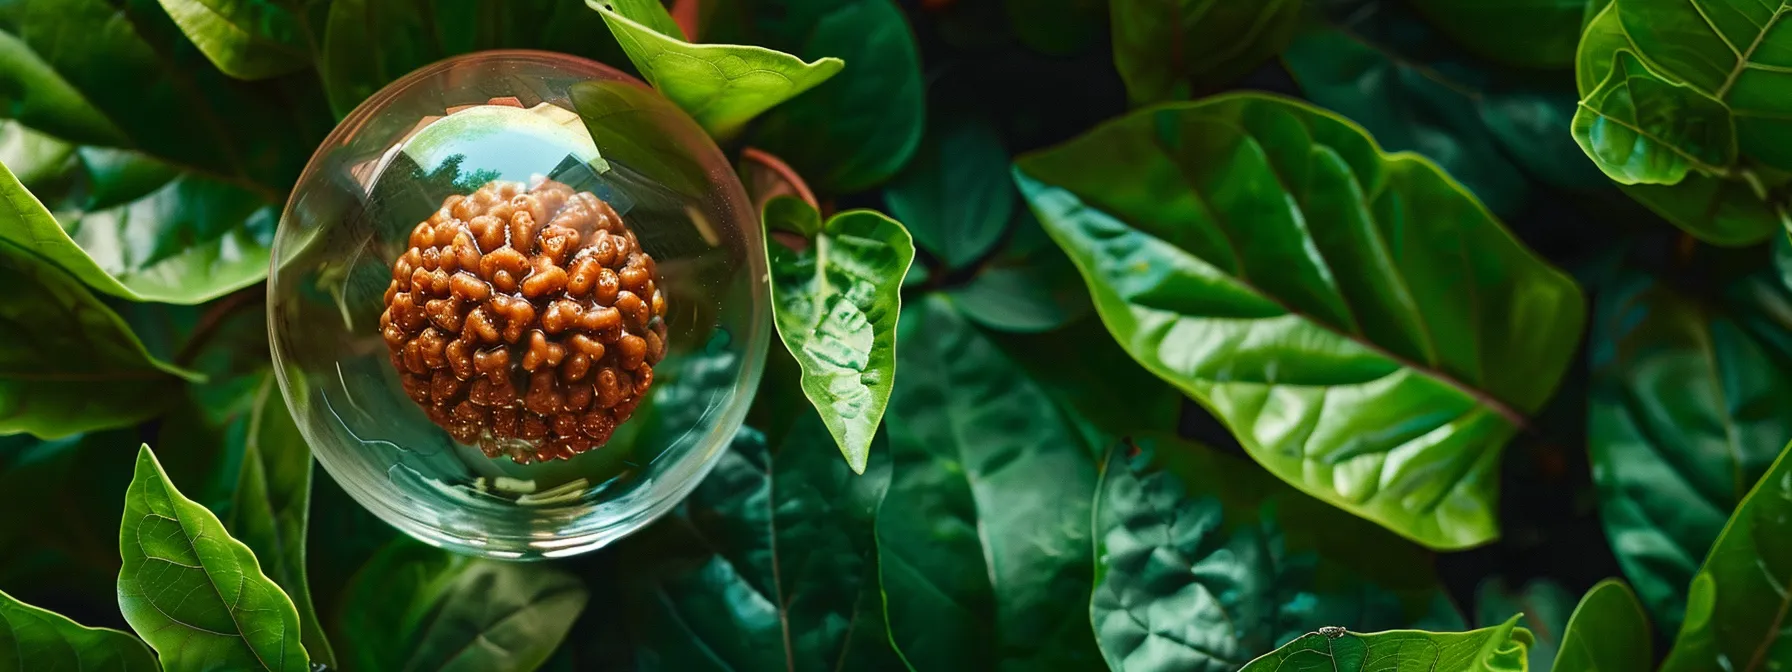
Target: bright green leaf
[1608, 633]
[836, 301]
[247, 39]
[1495, 649]
[1204, 561]
[193, 591]
[1691, 400]
[1366, 329]
[70, 364]
[1641, 129]
[722, 86]
[1173, 49]
[1736, 612]
[1546, 607]
[983, 538]
[414, 607]
[44, 641]
[1540, 34]
[955, 196]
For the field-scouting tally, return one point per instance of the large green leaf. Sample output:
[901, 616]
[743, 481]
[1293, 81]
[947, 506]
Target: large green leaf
[836, 300]
[1736, 614]
[44, 641]
[1495, 649]
[1172, 49]
[1546, 607]
[773, 569]
[247, 39]
[1205, 562]
[1541, 34]
[1690, 403]
[955, 196]
[1494, 131]
[1366, 329]
[1607, 633]
[142, 230]
[414, 607]
[70, 364]
[194, 592]
[722, 86]
[861, 127]
[983, 539]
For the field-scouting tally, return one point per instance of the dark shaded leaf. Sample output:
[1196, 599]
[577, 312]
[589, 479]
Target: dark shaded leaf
[247, 39]
[1608, 633]
[1172, 49]
[44, 641]
[1545, 606]
[1528, 35]
[955, 196]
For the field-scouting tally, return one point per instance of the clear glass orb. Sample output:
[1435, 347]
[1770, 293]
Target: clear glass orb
[515, 304]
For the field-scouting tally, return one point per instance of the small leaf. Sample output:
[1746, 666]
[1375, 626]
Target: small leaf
[1495, 649]
[1173, 49]
[247, 39]
[1736, 610]
[722, 86]
[40, 640]
[71, 364]
[1607, 633]
[836, 302]
[1366, 329]
[414, 607]
[194, 592]
[955, 196]
[1545, 605]
[1642, 129]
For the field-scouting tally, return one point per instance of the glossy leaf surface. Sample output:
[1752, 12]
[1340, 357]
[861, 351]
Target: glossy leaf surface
[1372, 336]
[1205, 562]
[1174, 49]
[414, 607]
[1495, 649]
[836, 302]
[1689, 405]
[194, 592]
[1608, 633]
[71, 364]
[1540, 34]
[1736, 612]
[247, 39]
[1642, 129]
[722, 86]
[39, 640]
[955, 196]
[983, 538]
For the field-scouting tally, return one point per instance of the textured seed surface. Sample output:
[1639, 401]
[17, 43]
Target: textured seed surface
[526, 321]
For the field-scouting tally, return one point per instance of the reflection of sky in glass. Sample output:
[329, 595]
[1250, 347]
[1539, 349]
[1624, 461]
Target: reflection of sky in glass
[515, 143]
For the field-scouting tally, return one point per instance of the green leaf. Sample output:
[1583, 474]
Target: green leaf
[1028, 286]
[1205, 562]
[1641, 129]
[247, 39]
[983, 538]
[773, 569]
[1608, 633]
[1736, 613]
[1056, 27]
[1526, 35]
[836, 301]
[71, 364]
[1689, 405]
[1106, 394]
[1364, 327]
[1495, 649]
[1381, 67]
[1174, 49]
[273, 507]
[193, 591]
[1545, 606]
[858, 129]
[955, 196]
[1715, 210]
[40, 640]
[722, 86]
[632, 127]
[75, 486]
[145, 231]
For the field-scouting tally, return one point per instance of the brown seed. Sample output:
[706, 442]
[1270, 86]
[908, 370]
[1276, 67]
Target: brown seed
[545, 279]
[631, 350]
[561, 315]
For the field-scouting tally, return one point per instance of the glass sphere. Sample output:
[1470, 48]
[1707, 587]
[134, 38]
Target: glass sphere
[515, 304]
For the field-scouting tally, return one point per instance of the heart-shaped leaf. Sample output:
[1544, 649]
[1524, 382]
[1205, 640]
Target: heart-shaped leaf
[1607, 633]
[836, 299]
[414, 607]
[1736, 612]
[1689, 405]
[37, 639]
[983, 538]
[955, 196]
[1366, 329]
[247, 39]
[1528, 35]
[1496, 649]
[722, 86]
[1171, 49]
[193, 591]
[1205, 562]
